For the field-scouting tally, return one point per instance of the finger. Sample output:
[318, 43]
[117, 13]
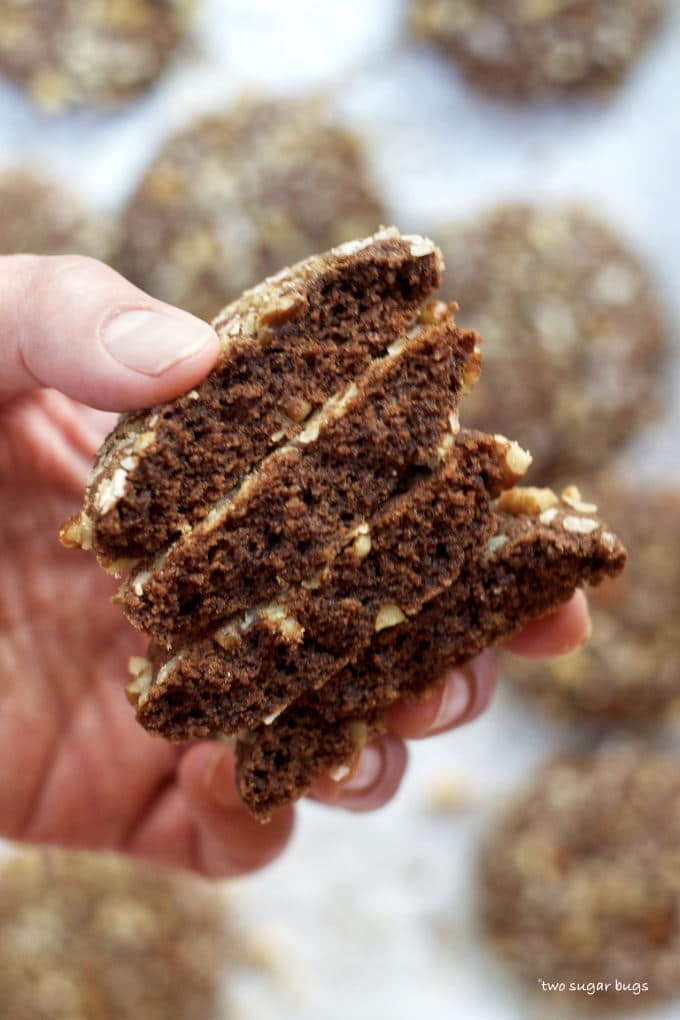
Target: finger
[372, 781]
[73, 324]
[460, 696]
[561, 632]
[229, 840]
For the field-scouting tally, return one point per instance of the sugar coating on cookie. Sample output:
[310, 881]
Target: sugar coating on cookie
[107, 938]
[234, 198]
[579, 876]
[575, 342]
[629, 671]
[38, 216]
[88, 52]
[539, 47]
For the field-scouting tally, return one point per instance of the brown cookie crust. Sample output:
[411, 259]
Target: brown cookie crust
[575, 344]
[88, 52]
[233, 198]
[579, 875]
[536, 48]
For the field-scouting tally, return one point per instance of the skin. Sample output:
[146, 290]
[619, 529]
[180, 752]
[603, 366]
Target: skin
[77, 769]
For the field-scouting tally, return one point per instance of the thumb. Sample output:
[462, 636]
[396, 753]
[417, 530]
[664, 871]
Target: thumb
[73, 324]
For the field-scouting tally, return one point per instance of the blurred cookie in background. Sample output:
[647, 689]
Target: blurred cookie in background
[39, 217]
[581, 877]
[629, 671]
[234, 198]
[574, 341]
[539, 47]
[88, 52]
[102, 937]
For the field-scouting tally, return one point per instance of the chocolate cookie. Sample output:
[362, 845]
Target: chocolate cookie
[539, 47]
[579, 878]
[575, 343]
[629, 671]
[329, 498]
[38, 217]
[102, 937]
[234, 198]
[92, 52]
[540, 550]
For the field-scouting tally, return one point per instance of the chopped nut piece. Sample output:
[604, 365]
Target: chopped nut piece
[526, 499]
[143, 441]
[362, 546]
[548, 516]
[579, 525]
[142, 672]
[434, 312]
[388, 616]
[77, 533]
[495, 543]
[572, 497]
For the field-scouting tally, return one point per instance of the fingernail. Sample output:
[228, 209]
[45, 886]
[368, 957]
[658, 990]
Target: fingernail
[219, 780]
[368, 771]
[455, 701]
[151, 343]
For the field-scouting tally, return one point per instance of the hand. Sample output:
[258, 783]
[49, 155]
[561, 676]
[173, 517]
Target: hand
[77, 769]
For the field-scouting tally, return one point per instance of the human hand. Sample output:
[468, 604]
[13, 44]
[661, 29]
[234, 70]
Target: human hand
[77, 769]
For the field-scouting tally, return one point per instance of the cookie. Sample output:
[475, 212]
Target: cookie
[355, 511]
[104, 937]
[575, 343]
[234, 198]
[539, 47]
[40, 218]
[579, 877]
[541, 549]
[629, 671]
[88, 52]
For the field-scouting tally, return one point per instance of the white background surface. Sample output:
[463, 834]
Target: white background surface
[373, 916]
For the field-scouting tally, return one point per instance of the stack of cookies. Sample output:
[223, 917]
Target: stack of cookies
[309, 534]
